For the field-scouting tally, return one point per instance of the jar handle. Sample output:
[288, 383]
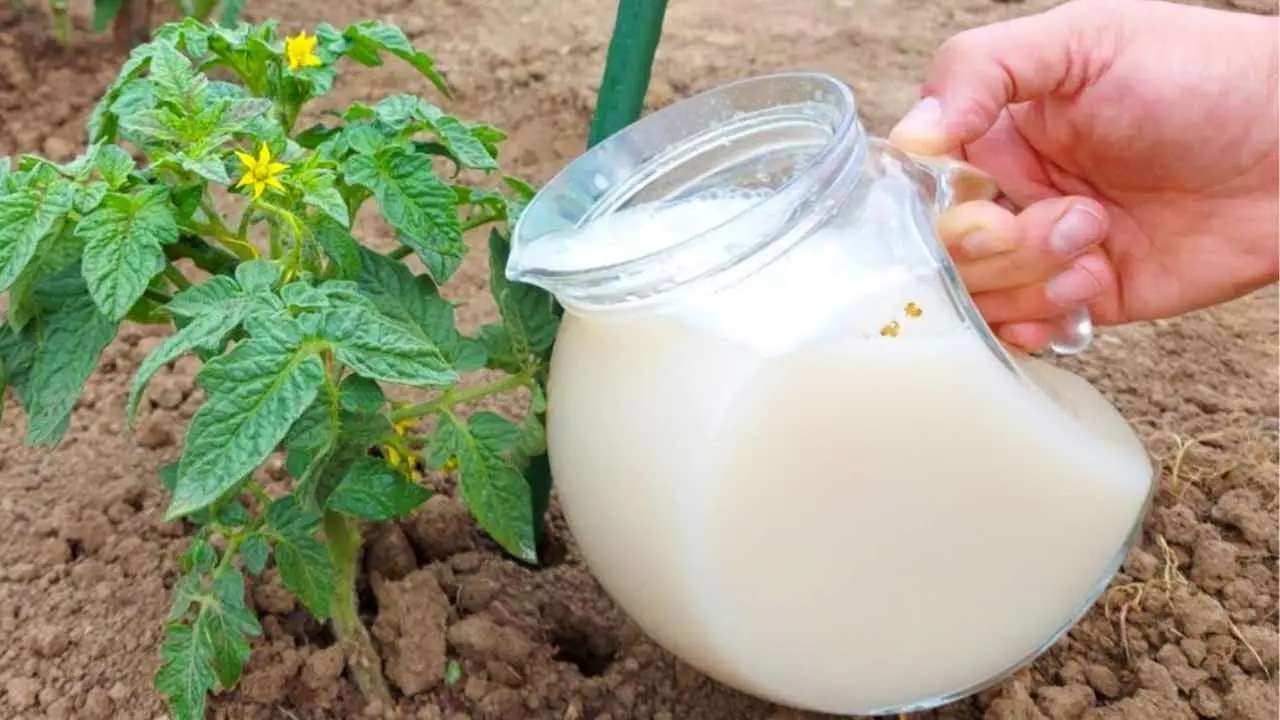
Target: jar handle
[959, 182]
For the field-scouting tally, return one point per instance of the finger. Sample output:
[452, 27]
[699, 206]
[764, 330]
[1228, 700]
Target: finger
[977, 73]
[1032, 337]
[1088, 279]
[1047, 236]
[977, 229]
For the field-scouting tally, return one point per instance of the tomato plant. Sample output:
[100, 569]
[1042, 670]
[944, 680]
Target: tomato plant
[298, 325]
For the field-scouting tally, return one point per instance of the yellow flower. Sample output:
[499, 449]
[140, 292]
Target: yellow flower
[403, 426]
[392, 455]
[450, 465]
[301, 51]
[261, 173]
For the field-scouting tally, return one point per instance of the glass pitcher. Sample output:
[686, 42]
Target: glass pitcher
[784, 439]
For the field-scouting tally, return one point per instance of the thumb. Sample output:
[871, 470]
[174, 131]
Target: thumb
[977, 73]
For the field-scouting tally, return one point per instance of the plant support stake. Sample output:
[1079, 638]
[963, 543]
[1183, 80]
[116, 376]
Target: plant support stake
[628, 66]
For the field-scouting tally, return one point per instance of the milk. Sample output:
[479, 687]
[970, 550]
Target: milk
[811, 508]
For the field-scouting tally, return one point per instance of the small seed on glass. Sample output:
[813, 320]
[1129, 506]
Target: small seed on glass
[913, 310]
[890, 330]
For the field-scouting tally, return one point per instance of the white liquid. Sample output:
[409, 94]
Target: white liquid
[818, 514]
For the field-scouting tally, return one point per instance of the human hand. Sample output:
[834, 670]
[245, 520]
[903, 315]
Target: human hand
[1139, 140]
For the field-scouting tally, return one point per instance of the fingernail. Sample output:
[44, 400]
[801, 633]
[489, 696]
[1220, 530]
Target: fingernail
[924, 121]
[980, 244]
[1076, 230]
[1073, 287]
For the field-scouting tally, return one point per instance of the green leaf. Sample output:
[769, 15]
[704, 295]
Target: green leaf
[300, 296]
[373, 490]
[528, 311]
[420, 206]
[360, 395]
[366, 38]
[256, 392]
[363, 139]
[212, 295]
[114, 164]
[379, 348]
[259, 276]
[53, 254]
[186, 674]
[175, 80]
[70, 335]
[254, 552]
[206, 331]
[228, 622]
[491, 488]
[337, 243]
[493, 431]
[304, 564]
[413, 301]
[104, 11]
[319, 192]
[200, 555]
[26, 216]
[90, 196]
[456, 136]
[123, 239]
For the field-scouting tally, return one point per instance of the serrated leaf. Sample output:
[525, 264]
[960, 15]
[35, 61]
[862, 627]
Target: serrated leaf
[318, 191]
[382, 349]
[228, 622]
[373, 490]
[304, 564]
[494, 431]
[337, 243]
[53, 254]
[90, 196]
[212, 295]
[493, 489]
[417, 203]
[200, 555]
[70, 336]
[365, 39]
[258, 276]
[123, 239]
[360, 395]
[114, 164]
[205, 331]
[256, 392]
[175, 80]
[413, 300]
[457, 137]
[254, 553]
[529, 312]
[363, 139]
[186, 674]
[209, 166]
[26, 216]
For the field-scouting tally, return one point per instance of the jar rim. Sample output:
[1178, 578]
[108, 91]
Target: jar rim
[609, 175]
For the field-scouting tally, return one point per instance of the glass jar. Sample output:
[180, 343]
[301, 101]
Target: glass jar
[784, 439]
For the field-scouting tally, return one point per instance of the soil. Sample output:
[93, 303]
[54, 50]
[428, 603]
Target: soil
[1187, 630]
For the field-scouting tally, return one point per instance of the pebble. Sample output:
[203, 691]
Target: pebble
[156, 432]
[22, 692]
[1103, 680]
[1065, 703]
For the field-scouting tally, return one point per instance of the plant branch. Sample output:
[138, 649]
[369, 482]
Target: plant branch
[366, 668]
[176, 277]
[400, 253]
[450, 398]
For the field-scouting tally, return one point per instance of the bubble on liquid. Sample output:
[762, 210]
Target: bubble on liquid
[600, 181]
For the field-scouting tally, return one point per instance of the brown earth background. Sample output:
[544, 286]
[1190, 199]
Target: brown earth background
[1188, 630]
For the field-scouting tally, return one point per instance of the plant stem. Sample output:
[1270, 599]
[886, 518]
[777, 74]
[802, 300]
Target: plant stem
[176, 277]
[636, 31]
[366, 669]
[400, 253]
[450, 398]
